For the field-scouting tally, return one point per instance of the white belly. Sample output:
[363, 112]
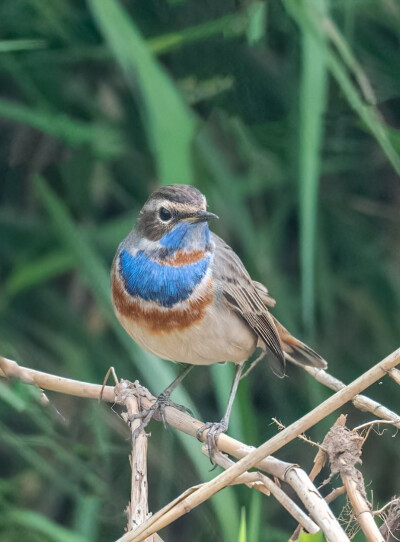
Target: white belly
[220, 336]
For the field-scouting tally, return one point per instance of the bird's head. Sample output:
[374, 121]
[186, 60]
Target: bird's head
[176, 216]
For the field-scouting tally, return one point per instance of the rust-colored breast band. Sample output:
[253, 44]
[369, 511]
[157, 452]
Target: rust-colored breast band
[184, 258]
[155, 320]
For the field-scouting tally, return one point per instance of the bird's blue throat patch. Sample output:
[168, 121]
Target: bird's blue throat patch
[165, 284]
[187, 234]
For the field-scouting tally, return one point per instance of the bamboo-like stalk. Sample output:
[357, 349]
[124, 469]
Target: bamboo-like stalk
[359, 401]
[165, 516]
[395, 374]
[137, 509]
[361, 509]
[250, 457]
[287, 472]
[260, 482]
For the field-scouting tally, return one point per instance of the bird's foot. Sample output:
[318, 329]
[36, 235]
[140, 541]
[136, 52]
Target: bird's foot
[214, 430]
[156, 410]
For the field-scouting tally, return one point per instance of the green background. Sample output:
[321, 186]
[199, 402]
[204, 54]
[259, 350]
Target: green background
[286, 114]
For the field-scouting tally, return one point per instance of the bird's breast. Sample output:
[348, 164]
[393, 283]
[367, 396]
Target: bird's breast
[162, 296]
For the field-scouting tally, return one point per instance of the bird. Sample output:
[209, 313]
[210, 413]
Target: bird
[184, 295]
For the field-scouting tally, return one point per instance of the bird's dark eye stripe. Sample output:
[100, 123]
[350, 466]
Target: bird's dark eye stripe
[164, 214]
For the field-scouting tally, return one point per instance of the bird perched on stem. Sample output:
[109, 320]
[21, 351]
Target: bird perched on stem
[184, 295]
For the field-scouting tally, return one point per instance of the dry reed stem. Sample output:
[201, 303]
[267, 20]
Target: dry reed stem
[294, 476]
[361, 509]
[319, 463]
[344, 448]
[287, 472]
[335, 493]
[390, 528]
[138, 509]
[395, 374]
[260, 482]
[361, 402]
[207, 490]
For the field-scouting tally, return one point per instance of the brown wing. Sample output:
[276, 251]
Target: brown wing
[247, 298]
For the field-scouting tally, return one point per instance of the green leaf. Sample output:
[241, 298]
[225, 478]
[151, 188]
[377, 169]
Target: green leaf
[230, 26]
[169, 124]
[35, 522]
[9, 46]
[257, 13]
[312, 109]
[104, 140]
[38, 271]
[86, 518]
[310, 22]
[305, 537]
[8, 395]
[242, 529]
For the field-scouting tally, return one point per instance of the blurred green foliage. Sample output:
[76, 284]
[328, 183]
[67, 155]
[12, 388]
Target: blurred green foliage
[286, 115]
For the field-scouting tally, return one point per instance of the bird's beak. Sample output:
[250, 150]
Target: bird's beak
[200, 216]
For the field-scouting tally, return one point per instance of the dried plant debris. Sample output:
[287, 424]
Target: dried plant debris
[344, 450]
[390, 529]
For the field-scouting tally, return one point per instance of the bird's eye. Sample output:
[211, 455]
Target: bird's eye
[165, 215]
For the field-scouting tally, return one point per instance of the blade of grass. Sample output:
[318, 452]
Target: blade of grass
[9, 396]
[56, 262]
[9, 46]
[170, 126]
[305, 537]
[255, 517]
[367, 114]
[232, 25]
[257, 12]
[40, 270]
[86, 519]
[242, 530]
[41, 465]
[312, 104]
[34, 522]
[308, 21]
[104, 140]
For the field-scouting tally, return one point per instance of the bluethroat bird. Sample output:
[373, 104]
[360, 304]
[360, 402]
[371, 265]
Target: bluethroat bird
[184, 295]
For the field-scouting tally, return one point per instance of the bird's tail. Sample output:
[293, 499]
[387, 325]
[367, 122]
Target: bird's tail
[296, 351]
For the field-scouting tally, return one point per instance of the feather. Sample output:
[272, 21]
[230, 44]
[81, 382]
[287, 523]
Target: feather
[298, 352]
[247, 299]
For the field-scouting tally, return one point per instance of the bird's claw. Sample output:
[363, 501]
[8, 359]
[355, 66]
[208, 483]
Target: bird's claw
[157, 409]
[214, 430]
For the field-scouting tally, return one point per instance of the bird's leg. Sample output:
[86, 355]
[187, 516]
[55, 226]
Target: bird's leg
[162, 401]
[216, 428]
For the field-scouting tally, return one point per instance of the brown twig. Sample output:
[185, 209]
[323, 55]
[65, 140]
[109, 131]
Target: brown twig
[319, 463]
[287, 472]
[361, 508]
[137, 509]
[395, 374]
[250, 458]
[372, 423]
[390, 529]
[207, 490]
[335, 493]
[301, 437]
[394, 501]
[361, 402]
[260, 482]
[344, 450]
